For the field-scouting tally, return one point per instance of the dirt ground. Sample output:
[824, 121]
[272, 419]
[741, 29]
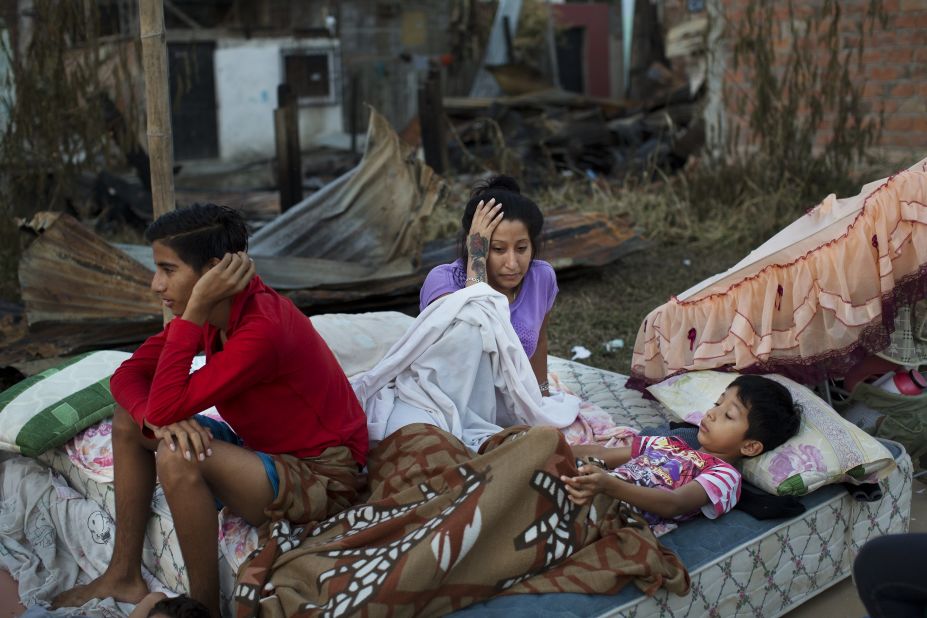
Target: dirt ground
[611, 303]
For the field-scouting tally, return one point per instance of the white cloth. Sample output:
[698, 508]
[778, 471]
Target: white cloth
[51, 538]
[461, 364]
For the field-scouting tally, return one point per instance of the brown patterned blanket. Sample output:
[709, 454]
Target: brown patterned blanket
[444, 527]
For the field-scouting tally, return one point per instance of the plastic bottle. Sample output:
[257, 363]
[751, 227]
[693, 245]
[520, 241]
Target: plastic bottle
[910, 382]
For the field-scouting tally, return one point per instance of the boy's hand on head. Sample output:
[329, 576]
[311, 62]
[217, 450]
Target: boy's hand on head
[227, 278]
[187, 436]
[591, 481]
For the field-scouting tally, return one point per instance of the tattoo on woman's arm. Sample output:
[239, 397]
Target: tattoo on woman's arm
[479, 268]
[477, 245]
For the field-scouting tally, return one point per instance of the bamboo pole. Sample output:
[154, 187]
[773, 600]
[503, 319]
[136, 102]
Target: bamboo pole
[157, 105]
[158, 109]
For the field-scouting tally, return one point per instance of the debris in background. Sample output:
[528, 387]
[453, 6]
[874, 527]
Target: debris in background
[69, 270]
[580, 353]
[371, 216]
[101, 296]
[614, 344]
[359, 242]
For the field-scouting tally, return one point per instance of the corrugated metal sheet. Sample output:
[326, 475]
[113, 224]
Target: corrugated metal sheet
[69, 274]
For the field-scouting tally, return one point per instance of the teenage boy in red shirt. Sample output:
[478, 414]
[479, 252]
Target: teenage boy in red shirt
[290, 410]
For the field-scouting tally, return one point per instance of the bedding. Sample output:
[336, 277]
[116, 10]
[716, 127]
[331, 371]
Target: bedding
[47, 409]
[460, 367]
[828, 448]
[738, 565]
[742, 566]
[51, 536]
[359, 340]
[444, 527]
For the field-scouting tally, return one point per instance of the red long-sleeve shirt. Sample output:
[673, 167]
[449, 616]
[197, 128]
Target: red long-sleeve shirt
[275, 381]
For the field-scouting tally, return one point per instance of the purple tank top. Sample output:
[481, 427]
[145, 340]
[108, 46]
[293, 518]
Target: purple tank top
[527, 313]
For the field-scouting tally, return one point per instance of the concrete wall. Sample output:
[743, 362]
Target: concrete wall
[384, 51]
[247, 75]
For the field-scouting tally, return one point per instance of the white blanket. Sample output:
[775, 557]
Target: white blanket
[461, 365]
[52, 538]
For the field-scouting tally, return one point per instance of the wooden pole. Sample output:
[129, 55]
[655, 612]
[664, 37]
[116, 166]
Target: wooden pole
[158, 109]
[289, 158]
[292, 141]
[431, 120]
[157, 105]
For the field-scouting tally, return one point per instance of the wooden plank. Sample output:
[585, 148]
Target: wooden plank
[157, 105]
[251, 204]
[431, 120]
[289, 161]
[158, 111]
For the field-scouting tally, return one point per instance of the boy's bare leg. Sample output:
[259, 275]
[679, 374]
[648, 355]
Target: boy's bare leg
[237, 477]
[134, 470]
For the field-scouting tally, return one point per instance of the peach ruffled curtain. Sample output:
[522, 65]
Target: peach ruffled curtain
[808, 303]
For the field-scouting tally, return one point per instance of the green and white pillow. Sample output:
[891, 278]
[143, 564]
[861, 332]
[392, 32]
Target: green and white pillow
[49, 408]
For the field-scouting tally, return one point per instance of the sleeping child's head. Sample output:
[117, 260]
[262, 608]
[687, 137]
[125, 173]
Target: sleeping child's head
[753, 415]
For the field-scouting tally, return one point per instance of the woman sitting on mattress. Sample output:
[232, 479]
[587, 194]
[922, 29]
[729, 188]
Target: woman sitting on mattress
[475, 361]
[499, 243]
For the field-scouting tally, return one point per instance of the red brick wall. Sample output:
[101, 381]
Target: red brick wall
[893, 73]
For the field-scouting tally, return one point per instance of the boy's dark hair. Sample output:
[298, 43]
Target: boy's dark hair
[200, 232]
[515, 207]
[180, 607]
[772, 417]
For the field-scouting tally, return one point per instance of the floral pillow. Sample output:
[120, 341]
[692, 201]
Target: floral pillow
[827, 449]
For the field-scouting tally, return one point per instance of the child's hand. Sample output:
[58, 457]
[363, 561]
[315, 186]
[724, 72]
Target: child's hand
[590, 481]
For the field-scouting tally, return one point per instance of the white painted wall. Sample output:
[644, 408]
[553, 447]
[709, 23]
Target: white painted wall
[247, 75]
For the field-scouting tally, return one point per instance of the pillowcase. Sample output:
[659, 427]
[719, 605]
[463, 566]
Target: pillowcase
[827, 448]
[360, 340]
[49, 408]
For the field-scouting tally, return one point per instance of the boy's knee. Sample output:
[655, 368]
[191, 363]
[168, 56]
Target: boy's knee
[174, 470]
[124, 426]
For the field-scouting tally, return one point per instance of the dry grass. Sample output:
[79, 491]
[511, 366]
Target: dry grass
[699, 223]
[611, 303]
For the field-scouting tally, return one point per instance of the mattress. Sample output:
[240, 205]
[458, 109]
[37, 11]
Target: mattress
[161, 550]
[739, 566]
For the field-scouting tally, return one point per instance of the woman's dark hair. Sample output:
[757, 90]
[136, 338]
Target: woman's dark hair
[515, 207]
[200, 232]
[180, 607]
[772, 415]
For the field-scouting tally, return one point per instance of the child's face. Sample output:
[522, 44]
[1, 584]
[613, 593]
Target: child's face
[723, 429]
[173, 280]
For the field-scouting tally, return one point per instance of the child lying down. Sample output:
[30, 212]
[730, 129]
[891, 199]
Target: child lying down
[667, 480]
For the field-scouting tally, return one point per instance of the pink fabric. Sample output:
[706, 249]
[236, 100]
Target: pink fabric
[593, 425]
[810, 302]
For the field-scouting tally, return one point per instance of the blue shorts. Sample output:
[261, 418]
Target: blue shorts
[221, 431]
